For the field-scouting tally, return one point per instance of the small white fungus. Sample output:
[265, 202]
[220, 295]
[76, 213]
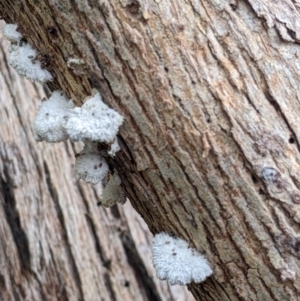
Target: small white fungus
[48, 124]
[94, 121]
[113, 192]
[21, 57]
[11, 33]
[175, 262]
[114, 147]
[90, 166]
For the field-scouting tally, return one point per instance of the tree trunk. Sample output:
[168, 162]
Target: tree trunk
[55, 242]
[210, 143]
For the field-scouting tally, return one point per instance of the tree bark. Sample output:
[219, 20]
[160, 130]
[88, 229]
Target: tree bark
[210, 143]
[55, 242]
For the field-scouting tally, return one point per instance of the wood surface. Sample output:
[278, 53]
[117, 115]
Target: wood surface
[210, 143]
[56, 243]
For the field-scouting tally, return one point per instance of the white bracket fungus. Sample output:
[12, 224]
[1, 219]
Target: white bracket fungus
[90, 166]
[22, 58]
[11, 33]
[175, 262]
[113, 192]
[94, 121]
[48, 124]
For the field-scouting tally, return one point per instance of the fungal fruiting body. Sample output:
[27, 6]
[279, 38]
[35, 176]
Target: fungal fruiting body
[114, 147]
[113, 192]
[11, 33]
[58, 119]
[22, 56]
[175, 262]
[94, 121]
[90, 166]
[49, 120]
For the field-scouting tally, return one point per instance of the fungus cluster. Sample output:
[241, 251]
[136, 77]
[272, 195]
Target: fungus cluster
[58, 119]
[176, 262]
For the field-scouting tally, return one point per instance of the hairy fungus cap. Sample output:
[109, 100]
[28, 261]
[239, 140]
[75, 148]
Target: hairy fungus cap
[48, 124]
[94, 121]
[175, 262]
[11, 33]
[90, 166]
[21, 57]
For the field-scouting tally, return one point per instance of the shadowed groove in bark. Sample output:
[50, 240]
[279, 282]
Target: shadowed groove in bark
[6, 63]
[139, 268]
[109, 286]
[54, 196]
[115, 211]
[13, 219]
[277, 108]
[105, 261]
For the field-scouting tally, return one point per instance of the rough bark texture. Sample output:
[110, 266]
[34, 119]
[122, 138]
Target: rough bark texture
[210, 145]
[55, 242]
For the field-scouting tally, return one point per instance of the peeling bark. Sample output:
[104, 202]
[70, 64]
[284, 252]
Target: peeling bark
[210, 145]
